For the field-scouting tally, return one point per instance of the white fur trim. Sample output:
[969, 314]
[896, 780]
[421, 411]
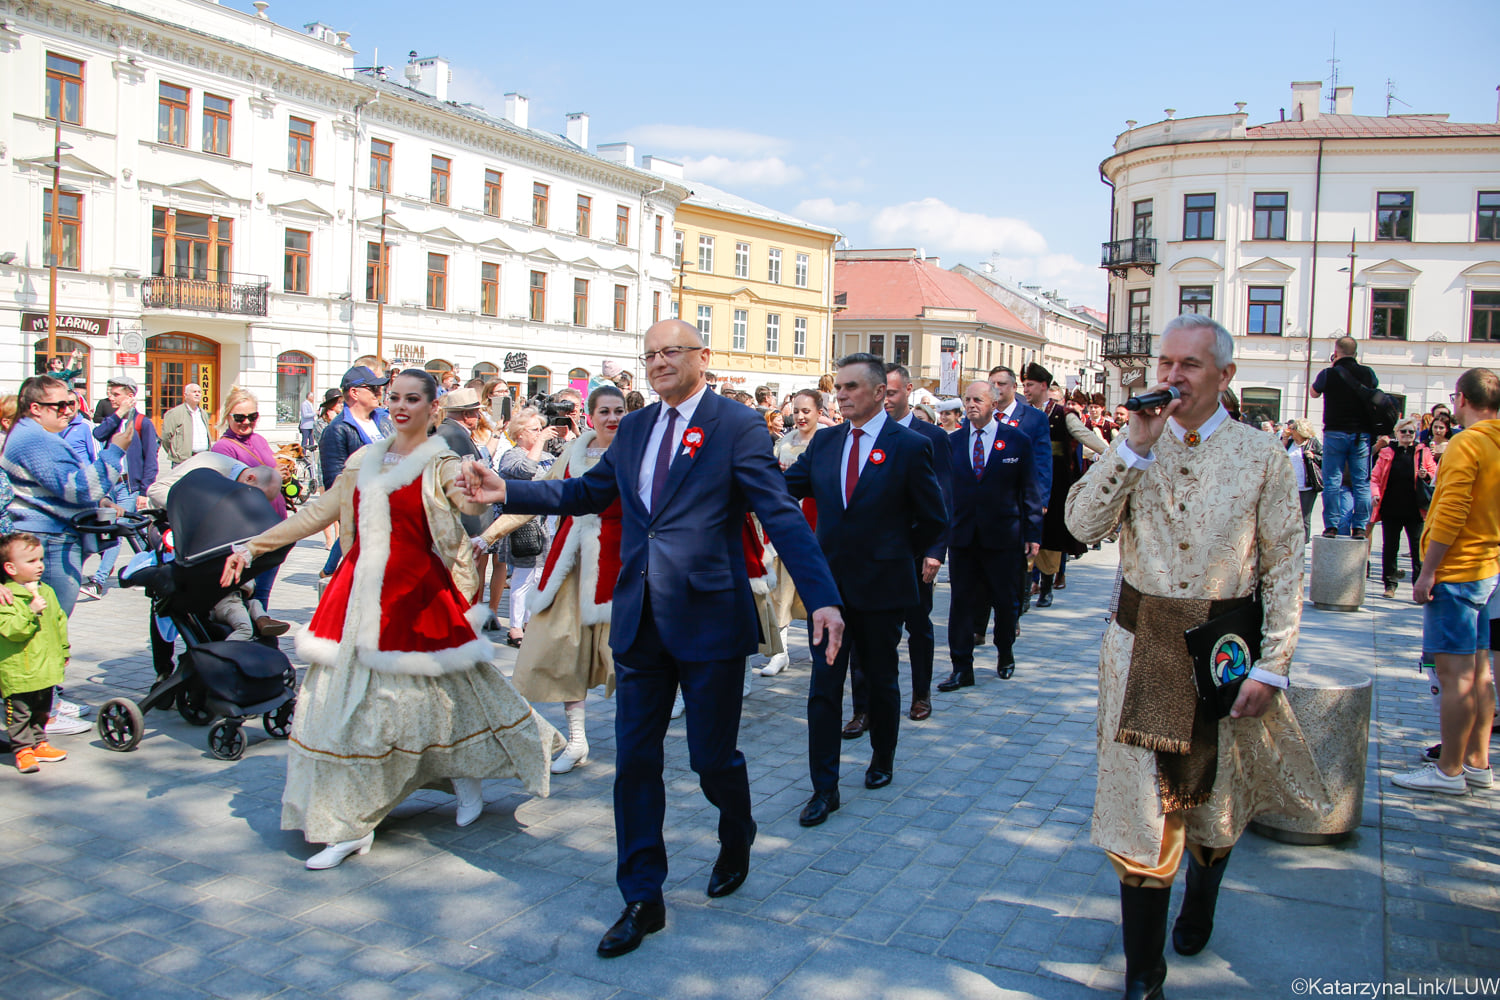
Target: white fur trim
[580, 551]
[361, 632]
[768, 559]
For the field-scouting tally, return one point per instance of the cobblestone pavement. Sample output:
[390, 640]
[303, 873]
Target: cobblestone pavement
[163, 873]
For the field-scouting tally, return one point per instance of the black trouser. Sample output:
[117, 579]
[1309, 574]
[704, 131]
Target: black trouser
[1392, 524]
[920, 642]
[980, 579]
[26, 714]
[875, 635]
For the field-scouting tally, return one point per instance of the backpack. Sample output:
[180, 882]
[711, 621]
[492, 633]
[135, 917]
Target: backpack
[1380, 408]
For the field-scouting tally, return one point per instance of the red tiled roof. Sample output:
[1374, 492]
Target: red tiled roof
[901, 289]
[1371, 127]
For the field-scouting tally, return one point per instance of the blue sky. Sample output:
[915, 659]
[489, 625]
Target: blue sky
[968, 130]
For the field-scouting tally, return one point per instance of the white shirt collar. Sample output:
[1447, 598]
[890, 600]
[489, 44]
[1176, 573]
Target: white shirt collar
[872, 427]
[1010, 410]
[987, 431]
[906, 420]
[686, 408]
[1210, 425]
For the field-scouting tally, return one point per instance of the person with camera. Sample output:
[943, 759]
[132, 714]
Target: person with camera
[1401, 486]
[562, 413]
[1348, 430]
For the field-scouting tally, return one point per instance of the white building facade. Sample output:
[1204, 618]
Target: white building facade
[1072, 342]
[223, 180]
[1253, 225]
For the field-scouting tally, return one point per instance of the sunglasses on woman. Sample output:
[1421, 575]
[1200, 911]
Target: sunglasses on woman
[244, 418]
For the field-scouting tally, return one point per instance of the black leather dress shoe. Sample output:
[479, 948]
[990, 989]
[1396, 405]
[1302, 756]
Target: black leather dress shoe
[1006, 670]
[731, 868]
[877, 777]
[636, 921]
[818, 808]
[1045, 600]
[957, 679]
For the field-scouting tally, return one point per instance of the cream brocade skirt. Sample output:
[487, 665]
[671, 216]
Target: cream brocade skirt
[362, 741]
[561, 659]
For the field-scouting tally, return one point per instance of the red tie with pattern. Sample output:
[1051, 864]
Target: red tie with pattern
[851, 473]
[979, 454]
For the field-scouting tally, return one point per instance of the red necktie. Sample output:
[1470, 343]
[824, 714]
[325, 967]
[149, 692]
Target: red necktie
[851, 473]
[663, 459]
[979, 454]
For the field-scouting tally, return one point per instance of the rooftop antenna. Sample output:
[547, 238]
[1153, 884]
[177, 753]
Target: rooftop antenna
[1390, 95]
[1333, 80]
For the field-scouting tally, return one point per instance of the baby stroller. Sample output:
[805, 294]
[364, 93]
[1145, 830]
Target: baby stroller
[213, 679]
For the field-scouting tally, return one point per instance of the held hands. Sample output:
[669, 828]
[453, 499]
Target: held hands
[480, 484]
[1255, 697]
[1146, 425]
[830, 621]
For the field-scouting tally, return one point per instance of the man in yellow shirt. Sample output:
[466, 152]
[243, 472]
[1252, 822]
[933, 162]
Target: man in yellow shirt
[1460, 563]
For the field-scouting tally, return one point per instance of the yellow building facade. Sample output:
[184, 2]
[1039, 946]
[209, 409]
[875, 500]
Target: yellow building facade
[759, 286]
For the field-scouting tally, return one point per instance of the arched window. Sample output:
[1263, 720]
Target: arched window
[65, 347]
[174, 359]
[484, 370]
[538, 381]
[438, 366]
[578, 379]
[294, 380]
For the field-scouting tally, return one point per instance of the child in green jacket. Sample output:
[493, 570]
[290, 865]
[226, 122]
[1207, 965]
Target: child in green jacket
[33, 650]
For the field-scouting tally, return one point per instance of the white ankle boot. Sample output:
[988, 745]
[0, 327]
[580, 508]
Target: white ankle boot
[577, 750]
[470, 792]
[781, 660]
[334, 854]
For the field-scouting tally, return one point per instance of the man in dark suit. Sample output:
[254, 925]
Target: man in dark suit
[997, 515]
[920, 640]
[880, 510]
[685, 470]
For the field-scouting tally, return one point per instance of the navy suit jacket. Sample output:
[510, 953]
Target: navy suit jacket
[988, 512]
[941, 463]
[690, 551]
[894, 517]
[1033, 423]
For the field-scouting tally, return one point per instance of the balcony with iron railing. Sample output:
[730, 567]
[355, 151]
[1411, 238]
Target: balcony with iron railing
[207, 291]
[1138, 251]
[1127, 346]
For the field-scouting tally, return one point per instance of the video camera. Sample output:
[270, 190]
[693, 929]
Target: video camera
[558, 412]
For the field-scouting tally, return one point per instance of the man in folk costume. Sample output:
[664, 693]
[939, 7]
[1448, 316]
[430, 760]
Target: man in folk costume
[1210, 515]
[1065, 428]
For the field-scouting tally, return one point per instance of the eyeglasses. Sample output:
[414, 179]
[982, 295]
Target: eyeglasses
[61, 405]
[1406, 433]
[244, 418]
[667, 353]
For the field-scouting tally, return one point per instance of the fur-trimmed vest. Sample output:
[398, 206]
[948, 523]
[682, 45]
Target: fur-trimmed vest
[588, 543]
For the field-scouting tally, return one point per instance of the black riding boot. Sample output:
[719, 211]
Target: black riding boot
[1044, 596]
[1143, 917]
[1195, 924]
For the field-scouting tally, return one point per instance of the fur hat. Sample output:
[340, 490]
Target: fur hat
[1036, 373]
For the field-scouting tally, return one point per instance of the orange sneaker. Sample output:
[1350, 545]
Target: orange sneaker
[48, 754]
[26, 760]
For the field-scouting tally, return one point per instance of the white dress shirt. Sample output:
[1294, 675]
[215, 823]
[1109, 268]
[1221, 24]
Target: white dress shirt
[685, 411]
[202, 441]
[986, 435]
[869, 431]
[1009, 413]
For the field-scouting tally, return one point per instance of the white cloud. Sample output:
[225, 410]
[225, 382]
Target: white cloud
[1076, 281]
[828, 210]
[934, 223]
[730, 141]
[766, 170]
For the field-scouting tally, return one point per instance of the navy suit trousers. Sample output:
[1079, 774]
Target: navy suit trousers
[874, 637]
[646, 678]
[981, 579]
[920, 642]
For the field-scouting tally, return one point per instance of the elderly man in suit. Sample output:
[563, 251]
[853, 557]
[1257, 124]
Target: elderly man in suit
[880, 511]
[686, 470]
[997, 515]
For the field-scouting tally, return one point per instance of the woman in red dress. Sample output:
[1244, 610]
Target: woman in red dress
[400, 692]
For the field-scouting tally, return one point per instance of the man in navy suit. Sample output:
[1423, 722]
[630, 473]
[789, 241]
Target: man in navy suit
[920, 639]
[686, 470]
[880, 510]
[997, 514]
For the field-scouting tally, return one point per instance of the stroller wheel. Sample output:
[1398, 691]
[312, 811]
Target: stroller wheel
[278, 722]
[225, 740]
[120, 724]
[289, 676]
[190, 704]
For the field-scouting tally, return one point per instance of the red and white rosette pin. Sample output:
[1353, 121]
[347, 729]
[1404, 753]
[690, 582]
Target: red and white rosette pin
[692, 440]
[999, 445]
[877, 456]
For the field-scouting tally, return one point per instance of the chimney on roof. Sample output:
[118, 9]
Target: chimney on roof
[1343, 100]
[666, 168]
[616, 152]
[578, 129]
[518, 110]
[428, 74]
[1305, 99]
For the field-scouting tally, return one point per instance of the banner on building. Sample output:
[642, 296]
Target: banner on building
[515, 361]
[948, 377]
[87, 325]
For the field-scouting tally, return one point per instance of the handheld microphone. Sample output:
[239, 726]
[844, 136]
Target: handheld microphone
[1151, 400]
